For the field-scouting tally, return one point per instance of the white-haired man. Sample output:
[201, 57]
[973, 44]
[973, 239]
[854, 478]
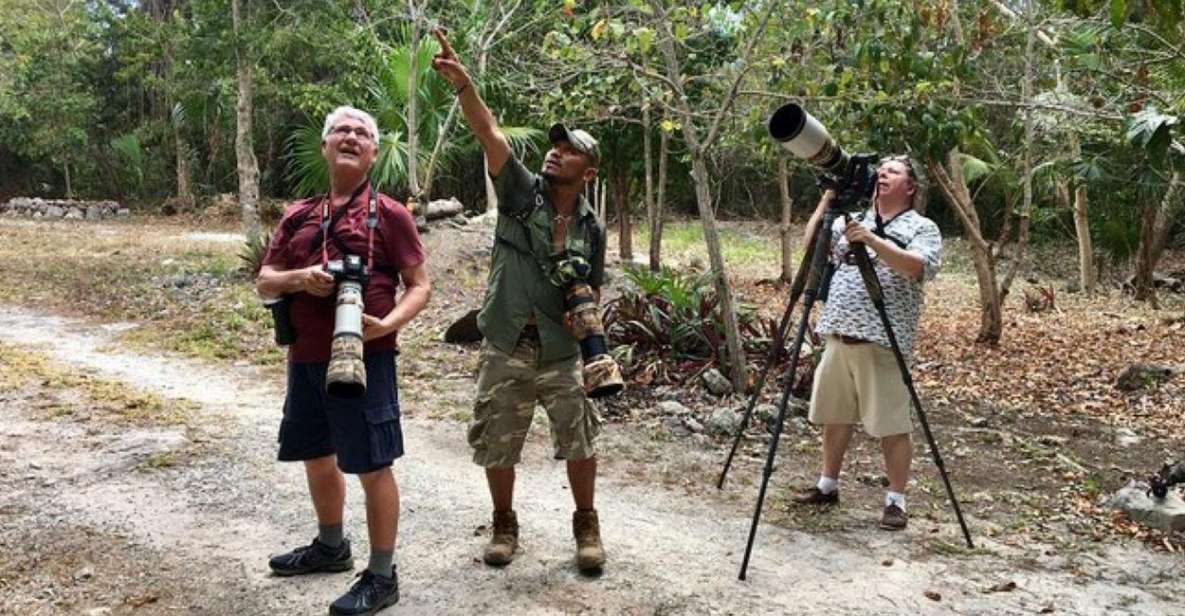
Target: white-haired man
[858, 380]
[359, 436]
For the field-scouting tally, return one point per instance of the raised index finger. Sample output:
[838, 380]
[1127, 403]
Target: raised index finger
[445, 48]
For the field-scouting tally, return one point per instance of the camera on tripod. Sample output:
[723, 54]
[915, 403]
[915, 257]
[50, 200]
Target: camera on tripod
[852, 176]
[346, 375]
[602, 375]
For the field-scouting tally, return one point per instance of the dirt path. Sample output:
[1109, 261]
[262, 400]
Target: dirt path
[88, 527]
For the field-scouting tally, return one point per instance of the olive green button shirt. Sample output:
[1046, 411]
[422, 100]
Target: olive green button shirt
[519, 284]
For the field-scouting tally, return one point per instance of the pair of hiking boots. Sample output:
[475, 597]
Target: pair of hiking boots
[893, 517]
[369, 595]
[586, 528]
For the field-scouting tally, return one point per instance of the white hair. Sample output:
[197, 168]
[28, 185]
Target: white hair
[352, 112]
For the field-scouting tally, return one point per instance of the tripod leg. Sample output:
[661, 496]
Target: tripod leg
[796, 288]
[876, 293]
[808, 303]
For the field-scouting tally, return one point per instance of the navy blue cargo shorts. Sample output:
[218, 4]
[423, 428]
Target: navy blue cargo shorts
[364, 432]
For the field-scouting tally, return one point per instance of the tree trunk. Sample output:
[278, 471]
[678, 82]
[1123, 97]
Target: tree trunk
[648, 165]
[66, 172]
[410, 112]
[785, 231]
[699, 149]
[732, 336]
[656, 225]
[248, 167]
[954, 189]
[183, 189]
[621, 198]
[1026, 206]
[1156, 224]
[1086, 271]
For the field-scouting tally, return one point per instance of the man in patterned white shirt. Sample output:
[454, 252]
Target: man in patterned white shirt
[858, 380]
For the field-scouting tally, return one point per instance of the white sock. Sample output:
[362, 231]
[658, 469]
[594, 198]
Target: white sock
[895, 498]
[827, 485]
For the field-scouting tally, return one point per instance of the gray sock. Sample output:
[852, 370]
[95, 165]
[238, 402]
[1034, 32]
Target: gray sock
[381, 562]
[330, 534]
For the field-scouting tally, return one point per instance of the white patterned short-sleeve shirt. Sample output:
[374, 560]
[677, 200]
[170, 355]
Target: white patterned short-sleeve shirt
[849, 310]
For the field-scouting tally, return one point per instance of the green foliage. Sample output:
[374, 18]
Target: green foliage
[131, 159]
[254, 249]
[668, 315]
[1152, 131]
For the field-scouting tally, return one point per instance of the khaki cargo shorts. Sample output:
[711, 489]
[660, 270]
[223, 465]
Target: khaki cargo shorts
[509, 387]
[860, 383]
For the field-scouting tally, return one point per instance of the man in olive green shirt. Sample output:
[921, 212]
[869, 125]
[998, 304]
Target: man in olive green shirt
[529, 357]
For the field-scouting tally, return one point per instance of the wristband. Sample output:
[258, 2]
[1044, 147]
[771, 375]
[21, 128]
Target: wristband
[462, 89]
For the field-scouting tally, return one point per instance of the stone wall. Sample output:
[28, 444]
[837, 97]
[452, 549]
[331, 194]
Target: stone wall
[64, 209]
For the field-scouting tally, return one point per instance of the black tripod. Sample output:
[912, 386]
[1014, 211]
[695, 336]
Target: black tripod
[810, 282]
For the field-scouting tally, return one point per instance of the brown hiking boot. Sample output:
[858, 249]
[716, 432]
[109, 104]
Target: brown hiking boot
[590, 556]
[814, 496]
[894, 518]
[504, 542]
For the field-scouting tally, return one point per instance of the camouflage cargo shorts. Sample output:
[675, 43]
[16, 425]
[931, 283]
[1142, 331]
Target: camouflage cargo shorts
[509, 387]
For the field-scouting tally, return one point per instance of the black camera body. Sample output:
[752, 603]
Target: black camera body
[350, 268]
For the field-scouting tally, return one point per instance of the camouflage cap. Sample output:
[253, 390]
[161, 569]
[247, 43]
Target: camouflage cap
[581, 141]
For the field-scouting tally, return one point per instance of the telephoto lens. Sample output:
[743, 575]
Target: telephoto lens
[806, 138]
[346, 374]
[602, 375]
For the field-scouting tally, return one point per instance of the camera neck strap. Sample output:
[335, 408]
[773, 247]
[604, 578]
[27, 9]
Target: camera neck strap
[882, 224]
[328, 222]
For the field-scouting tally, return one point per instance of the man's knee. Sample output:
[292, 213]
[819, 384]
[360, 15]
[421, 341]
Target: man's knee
[325, 465]
[376, 477]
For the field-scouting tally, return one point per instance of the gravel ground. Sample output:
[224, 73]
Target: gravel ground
[89, 525]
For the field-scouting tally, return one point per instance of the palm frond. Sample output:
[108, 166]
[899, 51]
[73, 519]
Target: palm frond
[307, 170]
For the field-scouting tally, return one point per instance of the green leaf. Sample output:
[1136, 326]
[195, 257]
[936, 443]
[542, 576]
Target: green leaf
[1118, 12]
[1151, 131]
[974, 168]
[645, 38]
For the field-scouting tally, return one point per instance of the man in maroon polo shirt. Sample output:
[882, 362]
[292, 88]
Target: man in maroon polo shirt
[358, 436]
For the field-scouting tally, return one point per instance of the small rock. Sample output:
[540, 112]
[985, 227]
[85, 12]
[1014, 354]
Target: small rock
[84, 574]
[98, 611]
[1008, 586]
[797, 407]
[932, 595]
[123, 212]
[1133, 499]
[888, 562]
[672, 407]
[723, 422]
[716, 382]
[693, 425]
[93, 213]
[1141, 376]
[978, 422]
[1126, 437]
[767, 413]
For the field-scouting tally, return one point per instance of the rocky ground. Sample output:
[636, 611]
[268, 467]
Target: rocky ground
[133, 481]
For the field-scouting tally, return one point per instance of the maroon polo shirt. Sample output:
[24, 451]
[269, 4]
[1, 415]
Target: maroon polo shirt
[396, 245]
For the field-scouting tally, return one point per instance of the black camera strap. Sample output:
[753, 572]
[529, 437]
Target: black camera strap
[882, 225]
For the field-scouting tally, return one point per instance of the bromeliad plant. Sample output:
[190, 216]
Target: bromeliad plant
[665, 326]
[664, 321]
